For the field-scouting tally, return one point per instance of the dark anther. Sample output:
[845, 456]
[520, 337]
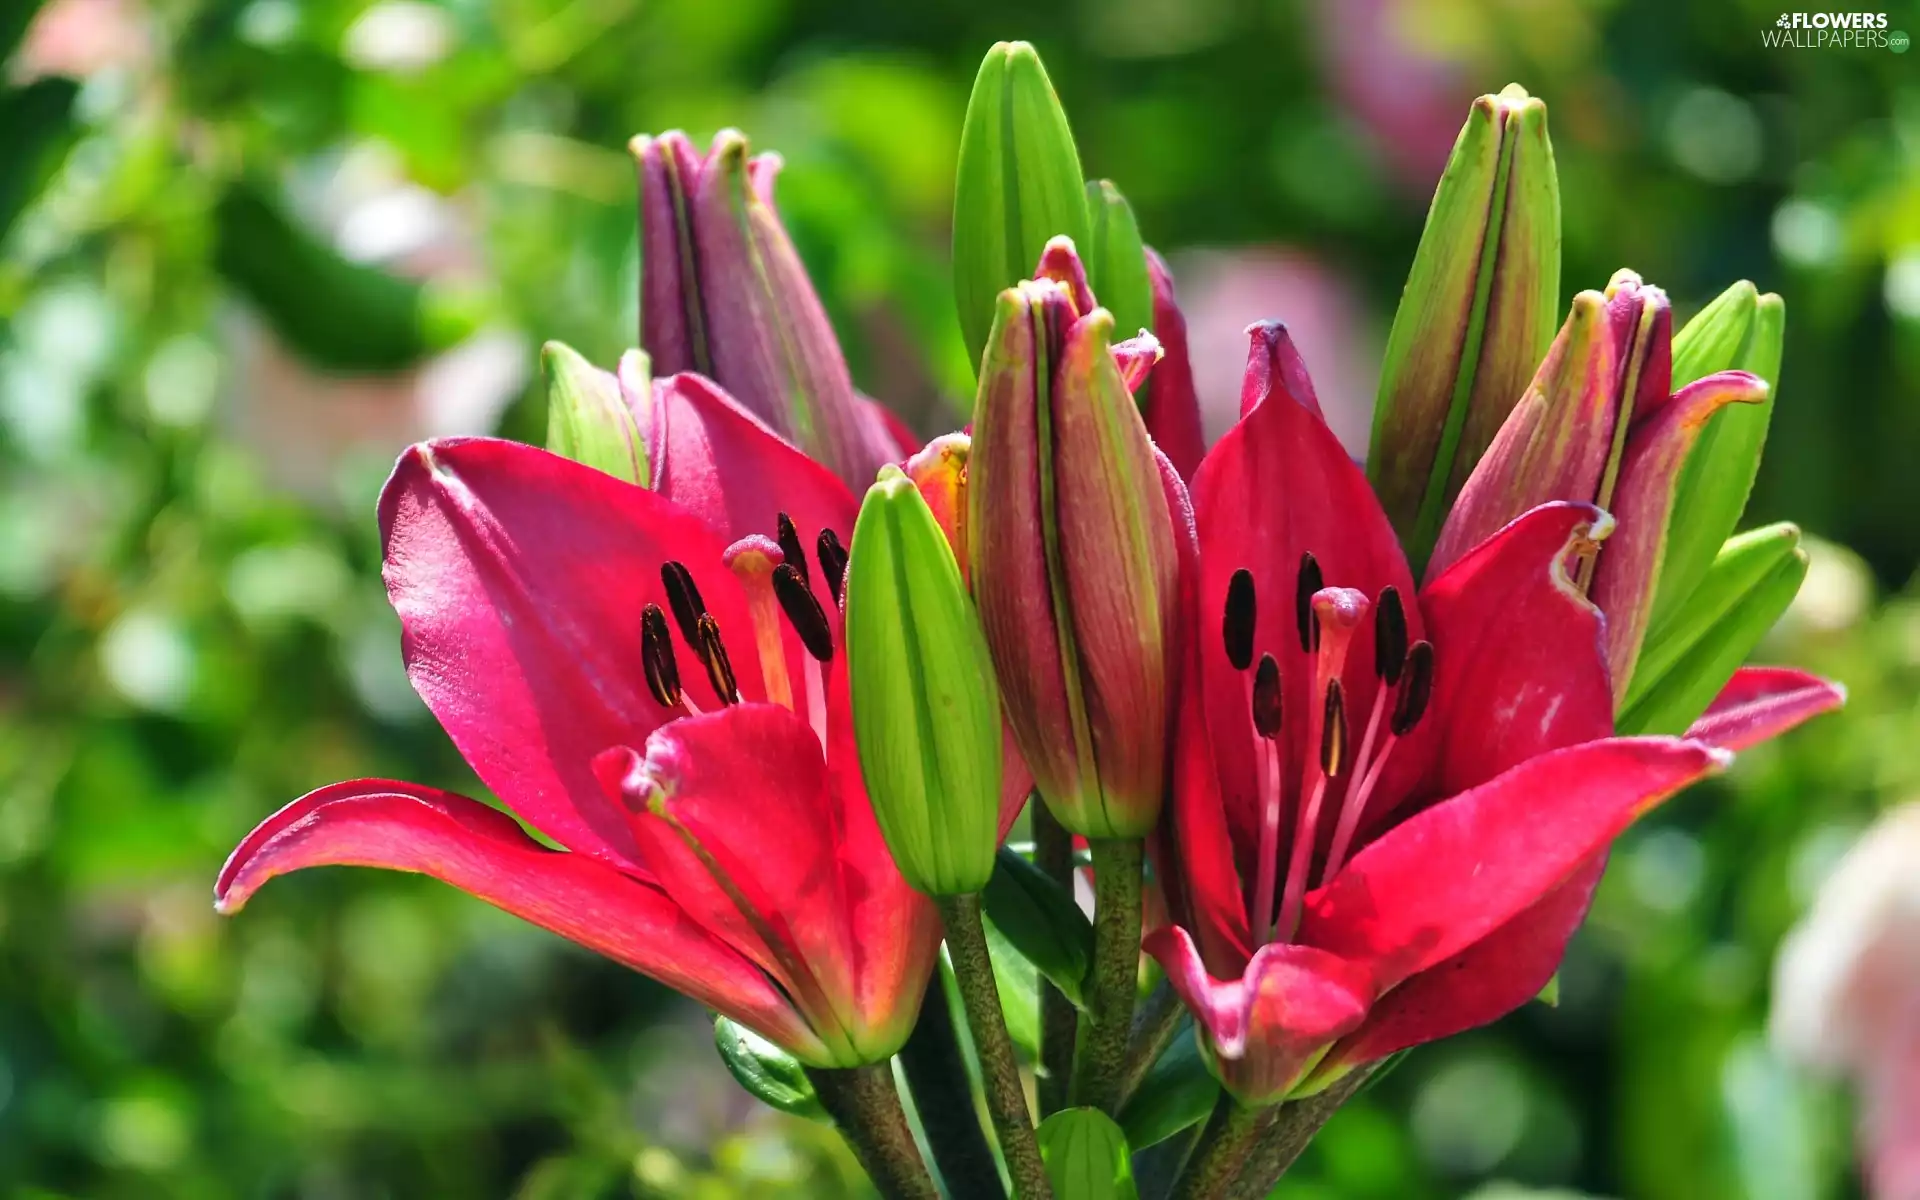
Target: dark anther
[1266, 698]
[713, 652]
[688, 607]
[791, 551]
[803, 611]
[1415, 690]
[1237, 626]
[833, 561]
[656, 655]
[1333, 730]
[1310, 581]
[1389, 635]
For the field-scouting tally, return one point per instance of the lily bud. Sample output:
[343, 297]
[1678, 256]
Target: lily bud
[1742, 330]
[1688, 658]
[926, 713]
[1600, 424]
[1074, 565]
[939, 470]
[589, 419]
[1117, 260]
[1476, 315]
[1017, 185]
[723, 293]
[1172, 410]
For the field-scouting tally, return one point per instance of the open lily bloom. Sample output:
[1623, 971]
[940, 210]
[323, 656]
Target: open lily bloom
[707, 797]
[1390, 809]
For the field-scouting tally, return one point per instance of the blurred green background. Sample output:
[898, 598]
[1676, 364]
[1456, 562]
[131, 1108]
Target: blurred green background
[253, 247]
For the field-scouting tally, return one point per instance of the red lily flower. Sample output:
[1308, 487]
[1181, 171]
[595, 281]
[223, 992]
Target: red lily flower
[1387, 831]
[714, 828]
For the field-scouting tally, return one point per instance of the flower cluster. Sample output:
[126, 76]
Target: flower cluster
[1364, 734]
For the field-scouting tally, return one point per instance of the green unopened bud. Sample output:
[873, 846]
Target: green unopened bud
[768, 1073]
[1018, 184]
[1689, 656]
[1479, 310]
[1742, 330]
[926, 712]
[1086, 1156]
[588, 417]
[1116, 260]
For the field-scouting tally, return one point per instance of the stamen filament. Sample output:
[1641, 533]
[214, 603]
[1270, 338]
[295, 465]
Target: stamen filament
[816, 678]
[1354, 803]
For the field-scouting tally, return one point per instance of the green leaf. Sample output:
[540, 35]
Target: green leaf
[767, 1072]
[1086, 1156]
[1178, 1093]
[1019, 986]
[1040, 919]
[1741, 330]
[1018, 184]
[1116, 260]
[1750, 584]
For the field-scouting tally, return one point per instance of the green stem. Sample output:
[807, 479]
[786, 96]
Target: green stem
[1153, 1031]
[1116, 972]
[865, 1105]
[1006, 1097]
[1289, 1134]
[1222, 1152]
[943, 1096]
[1059, 1019]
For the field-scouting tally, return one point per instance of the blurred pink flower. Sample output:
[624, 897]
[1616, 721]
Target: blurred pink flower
[1846, 994]
[76, 38]
[1408, 97]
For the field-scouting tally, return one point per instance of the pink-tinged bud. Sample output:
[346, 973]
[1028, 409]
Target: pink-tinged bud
[1172, 408]
[939, 470]
[1073, 561]
[723, 293]
[1600, 424]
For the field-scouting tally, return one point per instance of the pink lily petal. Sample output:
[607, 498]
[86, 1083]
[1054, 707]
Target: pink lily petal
[715, 459]
[1519, 667]
[736, 815]
[1172, 409]
[519, 578]
[1482, 983]
[1764, 702]
[480, 850]
[1449, 877]
[1265, 1026]
[1279, 484]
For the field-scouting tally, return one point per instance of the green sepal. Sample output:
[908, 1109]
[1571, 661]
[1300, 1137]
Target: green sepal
[926, 710]
[1751, 582]
[1550, 994]
[588, 419]
[1018, 184]
[1039, 918]
[768, 1073]
[1086, 1156]
[1116, 260]
[1741, 330]
[1178, 1093]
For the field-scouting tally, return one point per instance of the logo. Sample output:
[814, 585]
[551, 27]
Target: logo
[1833, 31]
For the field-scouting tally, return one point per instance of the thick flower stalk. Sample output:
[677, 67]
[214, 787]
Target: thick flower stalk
[723, 293]
[1390, 806]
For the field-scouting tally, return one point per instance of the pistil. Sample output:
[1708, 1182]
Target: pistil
[809, 621]
[1410, 704]
[753, 560]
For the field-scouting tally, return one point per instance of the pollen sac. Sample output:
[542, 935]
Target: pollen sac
[1074, 564]
[589, 419]
[926, 712]
[1476, 315]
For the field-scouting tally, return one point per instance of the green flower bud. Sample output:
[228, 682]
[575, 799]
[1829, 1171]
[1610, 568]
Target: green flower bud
[1116, 260]
[1687, 659]
[1480, 307]
[1086, 1156]
[1018, 184]
[1742, 330]
[926, 711]
[588, 416]
[768, 1073]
